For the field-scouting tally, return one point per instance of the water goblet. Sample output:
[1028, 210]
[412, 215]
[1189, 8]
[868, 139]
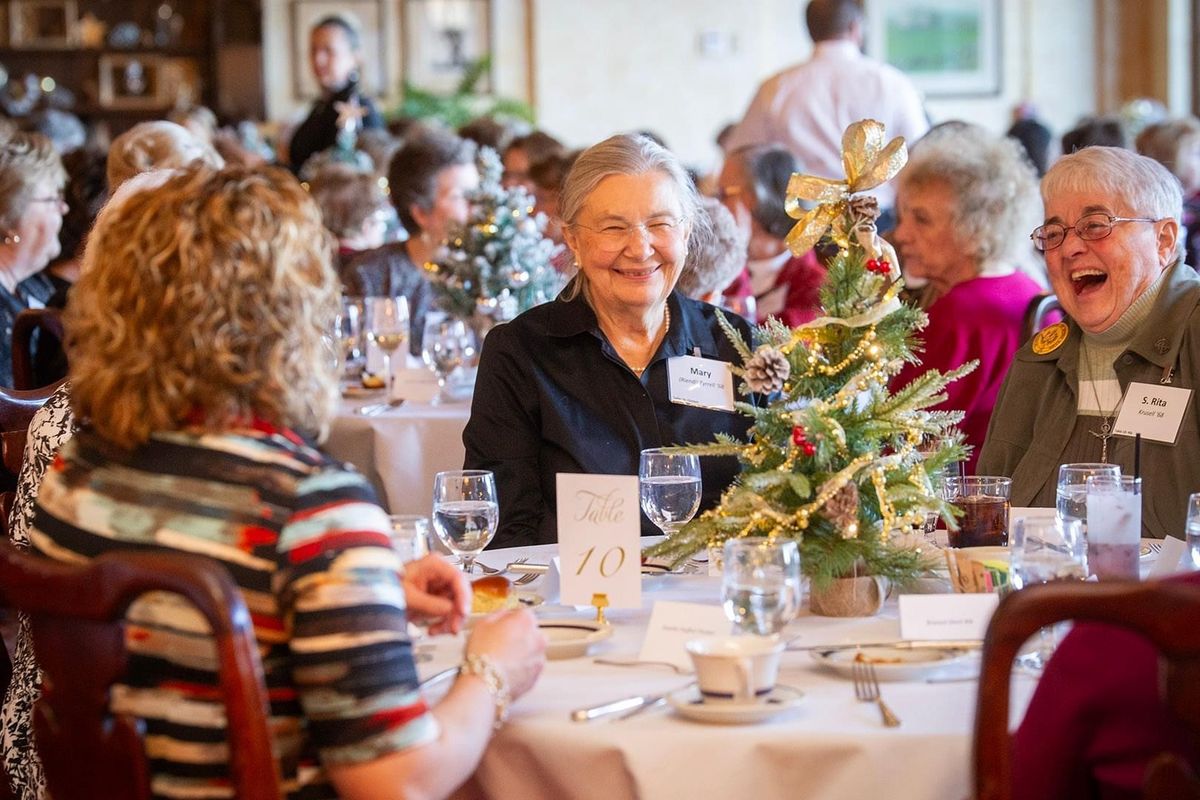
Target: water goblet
[1070, 496]
[445, 346]
[1046, 549]
[465, 512]
[669, 486]
[347, 328]
[760, 584]
[387, 327]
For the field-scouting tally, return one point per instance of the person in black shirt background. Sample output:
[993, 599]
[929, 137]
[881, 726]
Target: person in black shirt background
[334, 51]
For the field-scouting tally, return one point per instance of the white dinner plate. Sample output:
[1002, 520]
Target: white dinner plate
[688, 703]
[892, 663]
[568, 638]
[355, 390]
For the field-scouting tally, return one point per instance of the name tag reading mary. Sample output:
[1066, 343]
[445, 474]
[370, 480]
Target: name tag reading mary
[701, 382]
[598, 528]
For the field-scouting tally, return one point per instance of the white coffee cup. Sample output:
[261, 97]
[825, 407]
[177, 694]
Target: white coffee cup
[736, 669]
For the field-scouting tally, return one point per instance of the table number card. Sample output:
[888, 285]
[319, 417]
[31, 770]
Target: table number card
[598, 528]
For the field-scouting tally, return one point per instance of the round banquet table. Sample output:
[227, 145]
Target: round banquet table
[832, 746]
[401, 449]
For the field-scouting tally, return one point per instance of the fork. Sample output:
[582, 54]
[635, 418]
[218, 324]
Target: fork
[524, 579]
[493, 571]
[866, 689]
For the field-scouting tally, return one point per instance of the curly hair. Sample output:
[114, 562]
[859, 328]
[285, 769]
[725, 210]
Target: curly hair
[204, 304]
[994, 185]
[156, 145]
[26, 159]
[715, 255]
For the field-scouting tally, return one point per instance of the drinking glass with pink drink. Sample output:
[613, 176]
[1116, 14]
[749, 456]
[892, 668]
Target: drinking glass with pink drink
[1114, 513]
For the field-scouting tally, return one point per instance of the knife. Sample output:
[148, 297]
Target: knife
[626, 706]
[965, 644]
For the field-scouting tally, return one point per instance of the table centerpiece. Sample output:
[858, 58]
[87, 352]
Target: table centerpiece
[836, 460]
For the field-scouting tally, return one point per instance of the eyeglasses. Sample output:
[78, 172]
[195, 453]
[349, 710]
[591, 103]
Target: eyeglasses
[58, 198]
[614, 237]
[1089, 227]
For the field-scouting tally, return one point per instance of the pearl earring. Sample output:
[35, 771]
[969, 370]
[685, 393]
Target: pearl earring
[11, 238]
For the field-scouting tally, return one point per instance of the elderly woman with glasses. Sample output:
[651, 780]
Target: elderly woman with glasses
[583, 384]
[963, 201]
[1114, 254]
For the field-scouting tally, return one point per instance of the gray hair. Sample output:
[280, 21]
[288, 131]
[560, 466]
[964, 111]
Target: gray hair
[157, 144]
[715, 256]
[994, 186]
[1137, 182]
[625, 154]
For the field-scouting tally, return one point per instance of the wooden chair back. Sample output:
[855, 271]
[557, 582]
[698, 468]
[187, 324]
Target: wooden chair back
[32, 320]
[1161, 611]
[76, 616]
[17, 408]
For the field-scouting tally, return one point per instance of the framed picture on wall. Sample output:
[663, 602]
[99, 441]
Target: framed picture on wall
[443, 39]
[948, 47]
[132, 81]
[43, 23]
[366, 16]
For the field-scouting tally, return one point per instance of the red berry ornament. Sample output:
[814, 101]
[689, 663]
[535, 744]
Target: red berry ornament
[798, 435]
[809, 449]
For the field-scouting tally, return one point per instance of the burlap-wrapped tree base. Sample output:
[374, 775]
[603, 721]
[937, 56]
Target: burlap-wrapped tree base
[849, 597]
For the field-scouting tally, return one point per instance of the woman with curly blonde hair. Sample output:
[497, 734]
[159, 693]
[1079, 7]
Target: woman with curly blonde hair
[964, 201]
[199, 363]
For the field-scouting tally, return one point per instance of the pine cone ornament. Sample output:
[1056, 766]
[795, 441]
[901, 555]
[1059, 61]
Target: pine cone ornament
[842, 509]
[767, 370]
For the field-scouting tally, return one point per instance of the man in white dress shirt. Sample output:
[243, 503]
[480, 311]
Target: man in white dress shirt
[807, 107]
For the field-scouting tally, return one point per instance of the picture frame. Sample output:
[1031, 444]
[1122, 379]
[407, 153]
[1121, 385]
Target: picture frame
[949, 48]
[132, 81]
[367, 16]
[443, 39]
[43, 23]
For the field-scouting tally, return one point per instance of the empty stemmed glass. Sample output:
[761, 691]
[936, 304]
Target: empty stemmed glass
[760, 584]
[446, 344]
[465, 512]
[387, 327]
[1046, 549]
[669, 485]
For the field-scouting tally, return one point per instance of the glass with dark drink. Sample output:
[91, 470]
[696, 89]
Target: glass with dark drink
[983, 501]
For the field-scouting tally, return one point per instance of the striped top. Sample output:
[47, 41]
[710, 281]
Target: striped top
[305, 539]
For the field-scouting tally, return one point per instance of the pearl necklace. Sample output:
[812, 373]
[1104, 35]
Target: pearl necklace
[666, 327]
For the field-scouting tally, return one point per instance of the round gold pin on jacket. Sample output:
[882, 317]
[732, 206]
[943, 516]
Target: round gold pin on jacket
[1050, 339]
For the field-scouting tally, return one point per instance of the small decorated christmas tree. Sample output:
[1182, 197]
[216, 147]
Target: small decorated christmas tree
[497, 264]
[837, 461]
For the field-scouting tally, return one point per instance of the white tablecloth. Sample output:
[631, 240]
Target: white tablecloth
[831, 747]
[401, 449]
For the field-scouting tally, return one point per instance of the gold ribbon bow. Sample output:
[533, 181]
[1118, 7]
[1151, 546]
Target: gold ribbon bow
[867, 161]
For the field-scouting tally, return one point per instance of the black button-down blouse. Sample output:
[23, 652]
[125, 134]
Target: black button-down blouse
[553, 396]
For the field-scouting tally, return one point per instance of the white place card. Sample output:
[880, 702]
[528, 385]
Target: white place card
[946, 617]
[703, 382]
[673, 624]
[552, 583]
[598, 528]
[1153, 410]
[418, 385]
[1169, 557]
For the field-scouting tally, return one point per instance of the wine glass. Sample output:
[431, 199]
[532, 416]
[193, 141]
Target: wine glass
[760, 584]
[387, 327]
[410, 536]
[465, 512]
[1070, 496]
[1046, 549]
[669, 485]
[1192, 532]
[347, 332]
[445, 346]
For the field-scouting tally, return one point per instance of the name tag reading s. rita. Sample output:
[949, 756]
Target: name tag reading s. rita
[1154, 411]
[701, 382]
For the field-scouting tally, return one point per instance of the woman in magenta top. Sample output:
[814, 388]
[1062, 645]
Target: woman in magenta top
[964, 200]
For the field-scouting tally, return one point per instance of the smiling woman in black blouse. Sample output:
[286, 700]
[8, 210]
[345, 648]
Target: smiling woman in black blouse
[582, 384]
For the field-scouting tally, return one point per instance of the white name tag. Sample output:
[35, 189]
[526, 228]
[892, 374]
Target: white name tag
[945, 617]
[702, 382]
[673, 623]
[1154, 411]
[598, 545]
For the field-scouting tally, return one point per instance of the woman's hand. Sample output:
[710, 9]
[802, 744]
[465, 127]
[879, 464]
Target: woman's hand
[436, 592]
[515, 644]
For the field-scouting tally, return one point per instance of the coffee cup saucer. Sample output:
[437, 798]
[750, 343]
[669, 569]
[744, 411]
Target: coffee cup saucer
[689, 703]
